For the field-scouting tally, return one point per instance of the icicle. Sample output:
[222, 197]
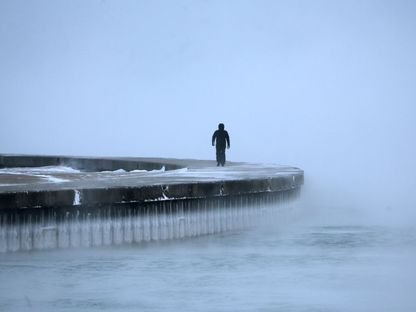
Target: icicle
[128, 228]
[96, 229]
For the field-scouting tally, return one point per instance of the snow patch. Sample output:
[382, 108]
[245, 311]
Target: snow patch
[159, 170]
[119, 171]
[53, 179]
[35, 170]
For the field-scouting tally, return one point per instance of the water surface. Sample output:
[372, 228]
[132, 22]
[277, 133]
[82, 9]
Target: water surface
[297, 267]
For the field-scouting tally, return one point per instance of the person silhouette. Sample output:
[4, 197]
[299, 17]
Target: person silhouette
[221, 139]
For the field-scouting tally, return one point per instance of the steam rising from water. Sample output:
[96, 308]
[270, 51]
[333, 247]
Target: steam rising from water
[291, 264]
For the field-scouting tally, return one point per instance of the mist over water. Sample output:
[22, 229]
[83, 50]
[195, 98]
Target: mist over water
[291, 264]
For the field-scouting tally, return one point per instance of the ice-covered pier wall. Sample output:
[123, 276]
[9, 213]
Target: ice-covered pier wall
[98, 209]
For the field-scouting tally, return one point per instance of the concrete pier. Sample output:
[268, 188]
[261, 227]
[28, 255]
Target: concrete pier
[63, 202]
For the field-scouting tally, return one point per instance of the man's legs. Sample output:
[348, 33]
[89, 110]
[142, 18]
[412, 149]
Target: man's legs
[221, 157]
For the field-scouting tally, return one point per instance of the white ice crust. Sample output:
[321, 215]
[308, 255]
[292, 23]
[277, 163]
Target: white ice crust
[39, 170]
[64, 174]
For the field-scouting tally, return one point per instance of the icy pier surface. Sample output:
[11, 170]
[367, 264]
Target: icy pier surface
[61, 202]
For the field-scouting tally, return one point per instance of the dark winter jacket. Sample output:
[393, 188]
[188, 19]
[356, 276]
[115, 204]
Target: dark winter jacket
[222, 139]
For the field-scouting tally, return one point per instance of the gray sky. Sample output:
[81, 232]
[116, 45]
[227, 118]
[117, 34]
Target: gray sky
[324, 85]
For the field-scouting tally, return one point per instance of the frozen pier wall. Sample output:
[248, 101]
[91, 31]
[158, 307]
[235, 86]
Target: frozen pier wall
[63, 202]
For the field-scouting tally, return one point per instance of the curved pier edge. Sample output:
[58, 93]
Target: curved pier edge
[94, 208]
[94, 188]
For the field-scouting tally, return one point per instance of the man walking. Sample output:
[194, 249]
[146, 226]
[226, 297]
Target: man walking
[221, 139]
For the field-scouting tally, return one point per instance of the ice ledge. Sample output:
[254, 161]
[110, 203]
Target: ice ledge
[136, 183]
